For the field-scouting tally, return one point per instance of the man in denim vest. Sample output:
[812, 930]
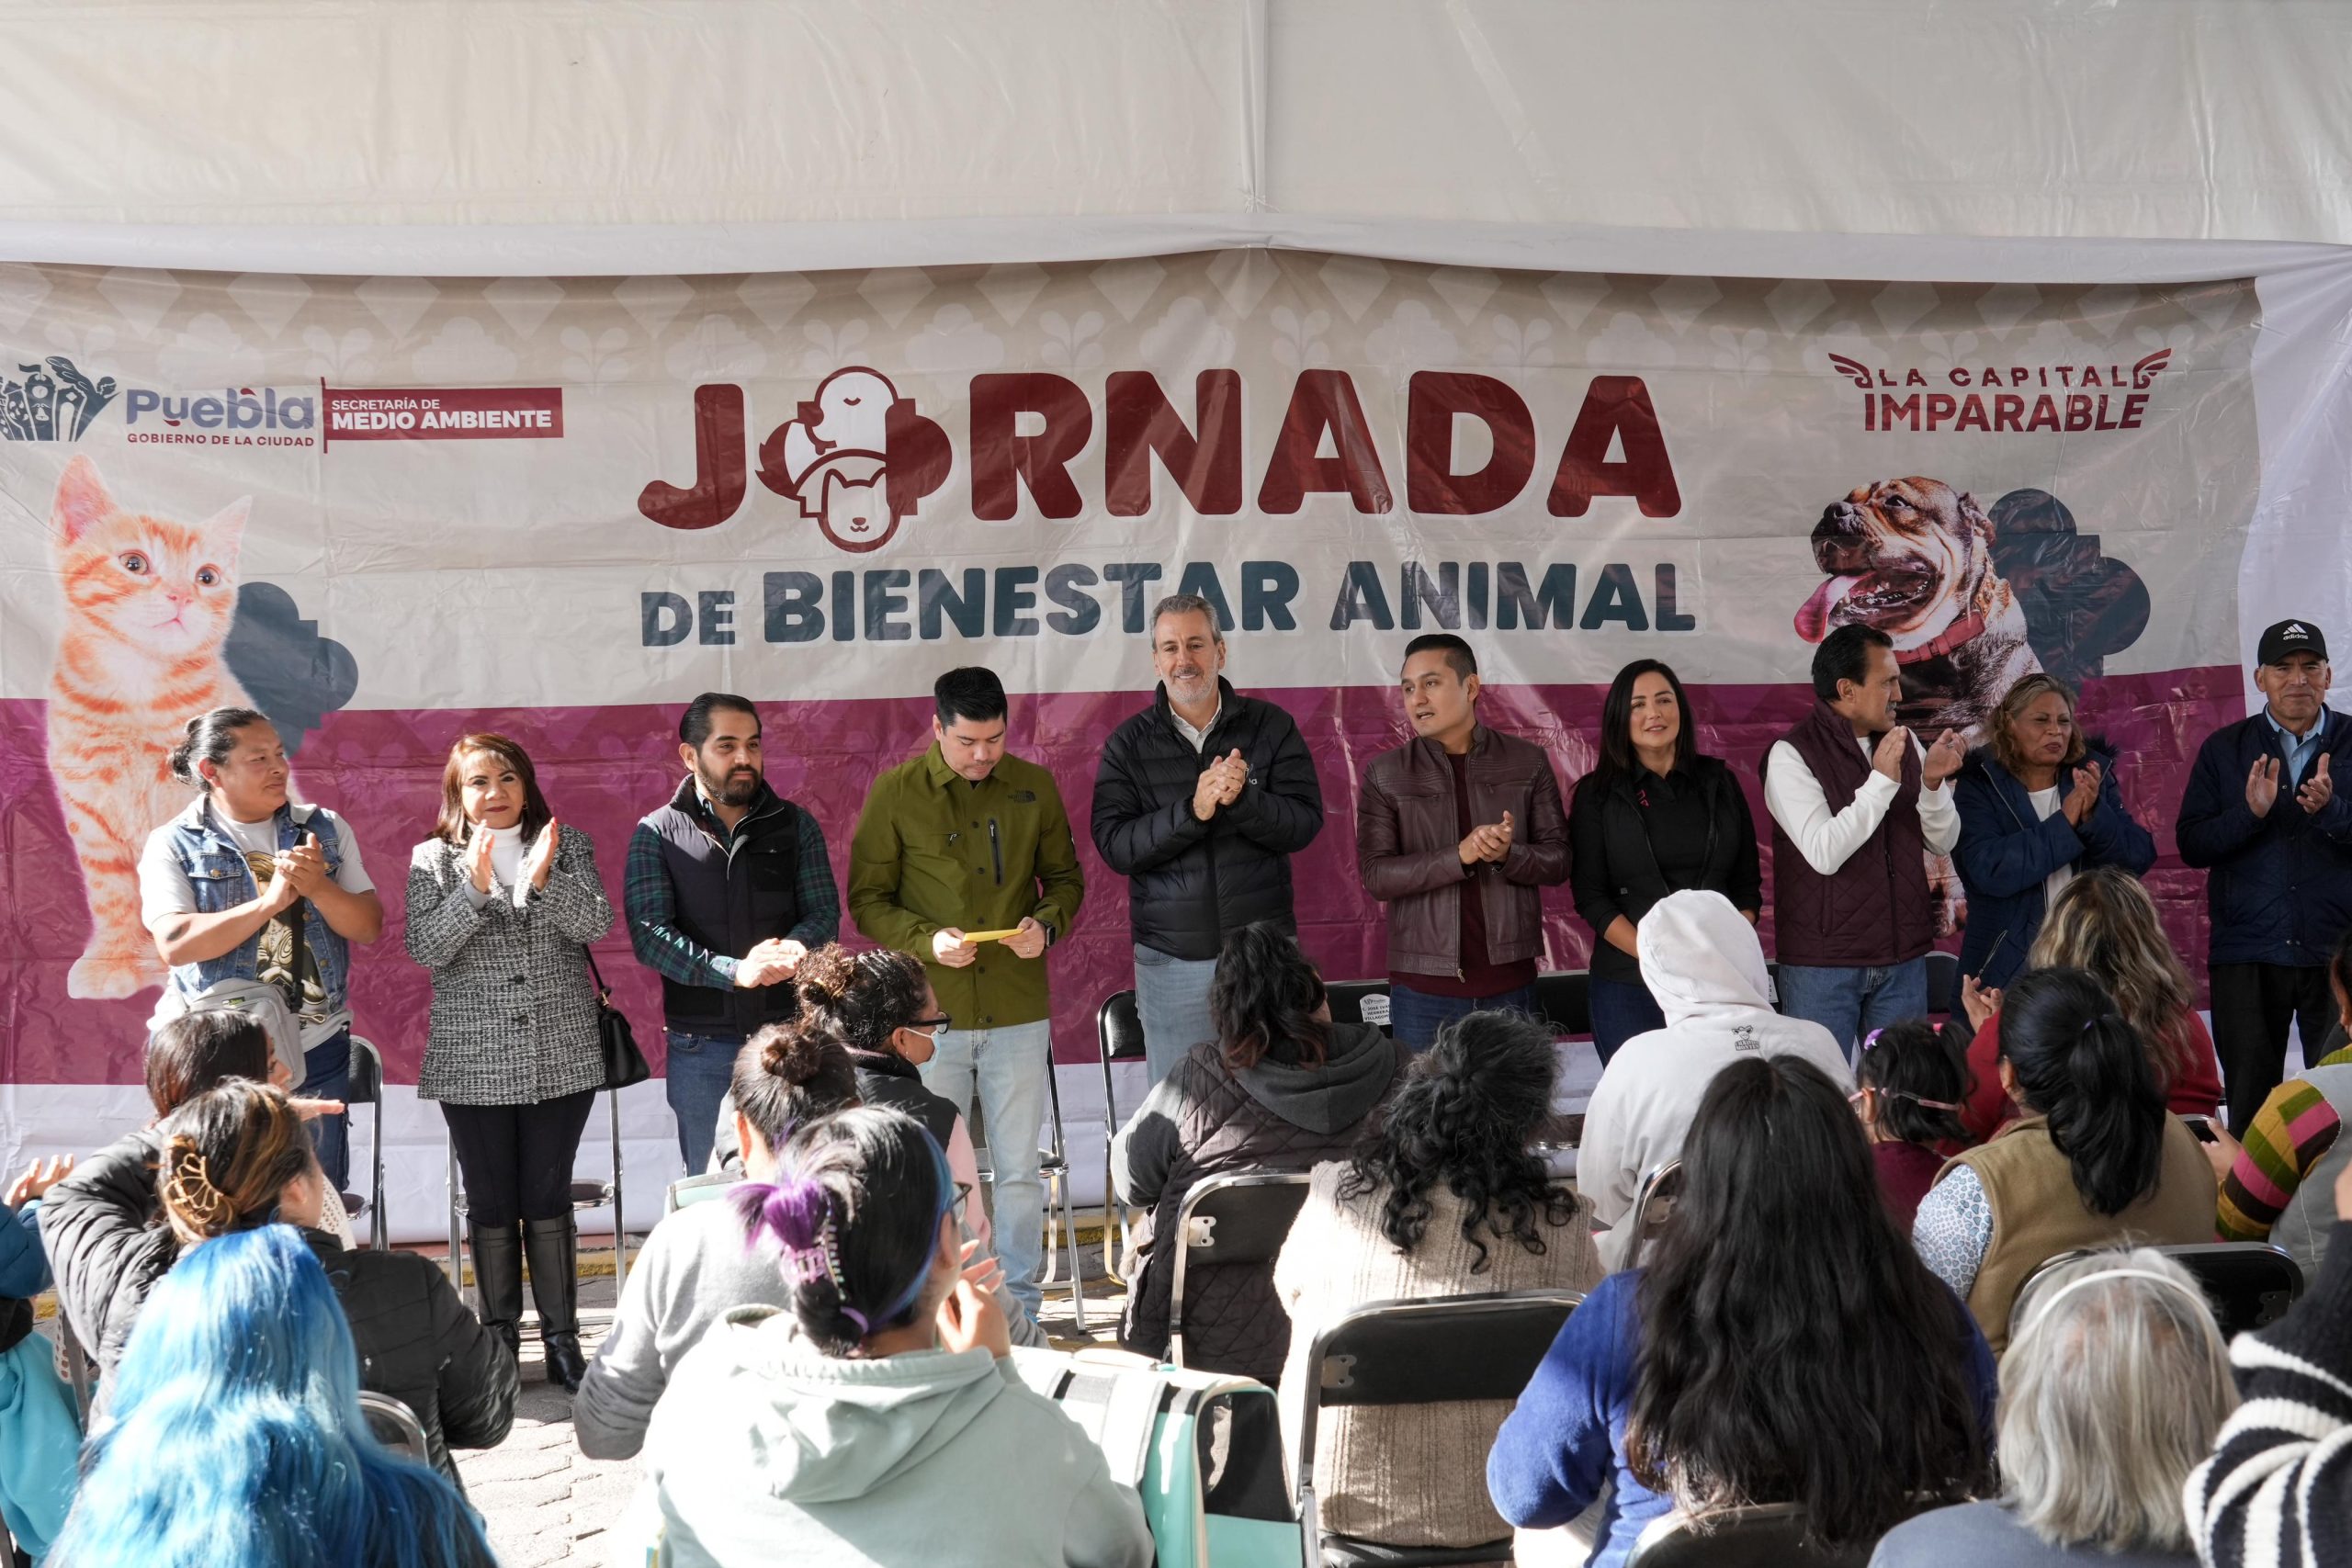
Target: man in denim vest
[246, 884]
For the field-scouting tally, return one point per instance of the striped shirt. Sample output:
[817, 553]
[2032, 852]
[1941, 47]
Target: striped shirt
[2283, 1143]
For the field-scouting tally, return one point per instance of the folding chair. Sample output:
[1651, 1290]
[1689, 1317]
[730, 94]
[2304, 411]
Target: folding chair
[2249, 1283]
[589, 1193]
[1053, 1169]
[395, 1425]
[1118, 1037]
[1229, 1220]
[367, 1089]
[1943, 982]
[1653, 1208]
[1435, 1351]
[1564, 999]
[686, 1191]
[1359, 1001]
[1765, 1535]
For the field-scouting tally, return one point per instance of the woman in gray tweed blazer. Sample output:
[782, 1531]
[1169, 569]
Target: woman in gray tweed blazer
[502, 907]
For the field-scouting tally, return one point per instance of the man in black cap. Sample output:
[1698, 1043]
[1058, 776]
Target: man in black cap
[2261, 814]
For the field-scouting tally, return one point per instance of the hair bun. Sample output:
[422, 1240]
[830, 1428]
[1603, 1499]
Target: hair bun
[795, 1055]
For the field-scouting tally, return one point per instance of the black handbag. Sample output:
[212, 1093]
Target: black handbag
[624, 1062]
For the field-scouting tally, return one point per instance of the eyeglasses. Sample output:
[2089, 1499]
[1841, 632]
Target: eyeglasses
[962, 1193]
[930, 1025]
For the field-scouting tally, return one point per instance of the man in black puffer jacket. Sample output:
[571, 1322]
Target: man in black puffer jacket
[108, 1246]
[1199, 802]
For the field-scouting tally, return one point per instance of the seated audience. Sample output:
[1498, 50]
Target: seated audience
[236, 1157]
[2279, 1486]
[2280, 1183]
[1909, 1082]
[99, 1222]
[875, 1417]
[695, 1267]
[40, 1436]
[2038, 806]
[2110, 1394]
[1280, 1088]
[2095, 1161]
[234, 1434]
[1443, 1198]
[2104, 923]
[1702, 961]
[1785, 1345]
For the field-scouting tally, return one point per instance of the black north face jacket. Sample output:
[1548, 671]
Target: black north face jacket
[1190, 883]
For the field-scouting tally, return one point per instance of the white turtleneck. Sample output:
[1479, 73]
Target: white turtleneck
[505, 864]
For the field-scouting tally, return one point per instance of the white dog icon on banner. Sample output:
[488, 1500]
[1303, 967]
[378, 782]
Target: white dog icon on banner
[856, 458]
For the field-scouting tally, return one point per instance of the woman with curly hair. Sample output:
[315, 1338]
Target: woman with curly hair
[1443, 1198]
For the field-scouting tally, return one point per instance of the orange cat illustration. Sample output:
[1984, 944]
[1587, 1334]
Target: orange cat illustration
[148, 601]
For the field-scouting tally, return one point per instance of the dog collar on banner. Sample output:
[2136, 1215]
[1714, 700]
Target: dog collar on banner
[1960, 631]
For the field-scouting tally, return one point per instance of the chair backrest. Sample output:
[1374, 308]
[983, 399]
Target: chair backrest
[1564, 999]
[1653, 1207]
[1236, 1220]
[1943, 982]
[1348, 998]
[1767, 1535]
[1118, 1028]
[2247, 1283]
[395, 1425]
[366, 1084]
[689, 1191]
[1434, 1352]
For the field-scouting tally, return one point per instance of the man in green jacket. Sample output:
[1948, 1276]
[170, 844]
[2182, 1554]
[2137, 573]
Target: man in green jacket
[962, 857]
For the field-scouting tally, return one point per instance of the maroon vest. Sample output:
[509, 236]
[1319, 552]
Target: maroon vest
[1874, 911]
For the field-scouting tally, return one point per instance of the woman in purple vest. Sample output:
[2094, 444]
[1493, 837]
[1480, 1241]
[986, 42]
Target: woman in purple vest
[502, 903]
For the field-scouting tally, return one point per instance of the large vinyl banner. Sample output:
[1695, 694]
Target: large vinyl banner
[387, 512]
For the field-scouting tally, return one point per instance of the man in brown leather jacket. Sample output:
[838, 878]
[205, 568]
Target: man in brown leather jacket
[1456, 832]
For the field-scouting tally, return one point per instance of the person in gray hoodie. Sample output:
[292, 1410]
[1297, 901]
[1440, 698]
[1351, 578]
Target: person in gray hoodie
[1281, 1087]
[1702, 962]
[877, 1417]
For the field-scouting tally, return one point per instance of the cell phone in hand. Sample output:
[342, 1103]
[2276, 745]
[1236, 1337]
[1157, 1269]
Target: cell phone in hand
[2203, 1127]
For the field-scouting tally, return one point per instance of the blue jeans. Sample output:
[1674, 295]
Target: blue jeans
[1006, 1066]
[700, 1069]
[1621, 1010]
[1849, 1002]
[326, 1075]
[1172, 1001]
[1415, 1016]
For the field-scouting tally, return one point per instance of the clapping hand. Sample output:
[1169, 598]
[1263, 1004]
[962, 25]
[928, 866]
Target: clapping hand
[2262, 785]
[1219, 783]
[772, 961]
[970, 1316]
[304, 866]
[2083, 799]
[479, 870]
[1944, 759]
[1490, 842]
[42, 1174]
[540, 860]
[2318, 789]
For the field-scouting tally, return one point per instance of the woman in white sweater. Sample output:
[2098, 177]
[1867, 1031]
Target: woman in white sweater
[1443, 1198]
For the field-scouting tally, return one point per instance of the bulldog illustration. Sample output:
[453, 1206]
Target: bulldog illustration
[1913, 557]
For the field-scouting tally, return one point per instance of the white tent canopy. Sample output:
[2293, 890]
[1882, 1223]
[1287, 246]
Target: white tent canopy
[536, 137]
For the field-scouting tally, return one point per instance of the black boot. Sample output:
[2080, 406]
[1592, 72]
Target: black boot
[498, 1278]
[554, 1247]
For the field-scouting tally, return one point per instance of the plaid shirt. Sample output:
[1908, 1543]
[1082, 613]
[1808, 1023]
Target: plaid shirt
[653, 907]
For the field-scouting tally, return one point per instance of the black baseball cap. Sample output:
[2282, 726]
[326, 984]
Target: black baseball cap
[2290, 637]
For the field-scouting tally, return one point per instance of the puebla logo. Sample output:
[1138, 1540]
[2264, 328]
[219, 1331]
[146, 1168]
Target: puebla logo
[53, 400]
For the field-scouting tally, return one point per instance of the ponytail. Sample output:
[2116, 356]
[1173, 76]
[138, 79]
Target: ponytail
[227, 1154]
[210, 737]
[2086, 1069]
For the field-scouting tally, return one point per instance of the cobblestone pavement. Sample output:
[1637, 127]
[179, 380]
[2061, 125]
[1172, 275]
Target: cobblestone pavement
[548, 1506]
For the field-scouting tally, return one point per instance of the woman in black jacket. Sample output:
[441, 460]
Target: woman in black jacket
[1653, 817]
[106, 1232]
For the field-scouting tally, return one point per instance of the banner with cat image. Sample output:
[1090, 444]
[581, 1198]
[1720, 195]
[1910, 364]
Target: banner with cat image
[391, 510]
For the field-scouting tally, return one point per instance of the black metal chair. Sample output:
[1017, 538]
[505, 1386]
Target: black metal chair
[367, 1087]
[1436, 1351]
[1943, 982]
[1229, 1220]
[1653, 1208]
[2247, 1283]
[1766, 1535]
[1118, 1037]
[395, 1425]
[586, 1194]
[1359, 1001]
[1564, 998]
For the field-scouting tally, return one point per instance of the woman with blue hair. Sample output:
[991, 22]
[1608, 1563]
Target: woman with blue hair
[235, 1437]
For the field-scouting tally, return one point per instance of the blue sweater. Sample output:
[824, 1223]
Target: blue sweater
[2280, 885]
[24, 1266]
[2006, 852]
[1566, 1438]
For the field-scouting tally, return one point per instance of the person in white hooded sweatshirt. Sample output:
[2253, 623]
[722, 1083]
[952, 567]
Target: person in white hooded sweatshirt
[877, 1419]
[1702, 962]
